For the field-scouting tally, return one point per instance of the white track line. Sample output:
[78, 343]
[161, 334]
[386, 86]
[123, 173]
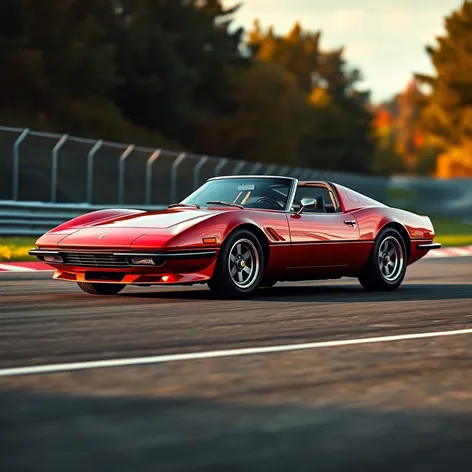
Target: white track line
[54, 368]
[15, 268]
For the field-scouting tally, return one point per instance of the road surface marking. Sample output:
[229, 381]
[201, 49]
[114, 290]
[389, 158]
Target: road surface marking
[54, 368]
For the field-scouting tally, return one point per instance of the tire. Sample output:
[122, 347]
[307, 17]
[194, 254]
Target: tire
[381, 273]
[236, 276]
[101, 289]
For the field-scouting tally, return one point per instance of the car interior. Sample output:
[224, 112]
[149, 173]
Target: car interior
[326, 201]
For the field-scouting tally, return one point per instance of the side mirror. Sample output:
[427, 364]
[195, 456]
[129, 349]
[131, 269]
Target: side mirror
[307, 203]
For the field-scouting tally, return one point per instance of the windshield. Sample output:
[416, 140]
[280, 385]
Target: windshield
[248, 192]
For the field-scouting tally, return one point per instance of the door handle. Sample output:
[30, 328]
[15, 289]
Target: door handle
[350, 222]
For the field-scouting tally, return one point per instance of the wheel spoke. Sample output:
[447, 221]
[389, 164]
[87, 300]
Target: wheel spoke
[391, 259]
[243, 263]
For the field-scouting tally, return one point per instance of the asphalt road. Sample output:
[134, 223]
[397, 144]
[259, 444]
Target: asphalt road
[403, 405]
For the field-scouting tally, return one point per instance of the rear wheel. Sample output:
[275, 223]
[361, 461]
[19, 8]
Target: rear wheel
[386, 266]
[101, 289]
[240, 266]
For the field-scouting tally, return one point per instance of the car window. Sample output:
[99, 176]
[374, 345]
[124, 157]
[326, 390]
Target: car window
[312, 191]
[263, 193]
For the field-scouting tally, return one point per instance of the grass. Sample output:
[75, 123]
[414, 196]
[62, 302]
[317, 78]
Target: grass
[16, 249]
[449, 232]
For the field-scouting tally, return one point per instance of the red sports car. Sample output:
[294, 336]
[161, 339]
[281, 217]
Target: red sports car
[239, 233]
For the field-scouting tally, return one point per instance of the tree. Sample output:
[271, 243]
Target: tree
[58, 69]
[447, 114]
[174, 57]
[357, 136]
[157, 71]
[271, 113]
[337, 134]
[298, 51]
[54, 53]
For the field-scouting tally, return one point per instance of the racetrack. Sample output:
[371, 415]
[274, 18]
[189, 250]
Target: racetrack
[403, 404]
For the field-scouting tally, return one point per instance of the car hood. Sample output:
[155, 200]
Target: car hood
[122, 231]
[155, 219]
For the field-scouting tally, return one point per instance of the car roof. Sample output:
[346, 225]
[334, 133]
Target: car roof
[286, 177]
[300, 183]
[306, 183]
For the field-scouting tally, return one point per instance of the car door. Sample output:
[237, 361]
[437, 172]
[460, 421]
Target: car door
[322, 240]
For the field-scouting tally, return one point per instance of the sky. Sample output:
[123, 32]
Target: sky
[385, 39]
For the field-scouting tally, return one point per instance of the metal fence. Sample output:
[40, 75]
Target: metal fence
[47, 178]
[56, 168]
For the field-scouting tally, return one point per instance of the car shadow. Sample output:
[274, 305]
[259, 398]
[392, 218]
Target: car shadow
[323, 293]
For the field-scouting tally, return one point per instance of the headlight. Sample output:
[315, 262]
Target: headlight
[142, 261]
[53, 258]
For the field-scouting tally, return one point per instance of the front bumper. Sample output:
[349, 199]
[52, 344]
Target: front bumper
[109, 259]
[173, 267]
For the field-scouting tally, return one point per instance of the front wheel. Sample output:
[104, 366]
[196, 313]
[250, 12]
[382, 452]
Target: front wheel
[240, 266]
[101, 289]
[386, 266]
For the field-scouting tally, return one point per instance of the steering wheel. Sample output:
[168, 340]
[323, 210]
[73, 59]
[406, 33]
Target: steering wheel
[270, 200]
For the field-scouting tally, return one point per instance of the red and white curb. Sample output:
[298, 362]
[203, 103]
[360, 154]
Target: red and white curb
[464, 251]
[25, 267]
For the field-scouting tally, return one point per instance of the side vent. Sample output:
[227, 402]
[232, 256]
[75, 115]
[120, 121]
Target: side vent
[274, 235]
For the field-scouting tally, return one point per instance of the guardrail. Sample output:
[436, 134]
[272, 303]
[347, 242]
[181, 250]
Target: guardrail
[36, 218]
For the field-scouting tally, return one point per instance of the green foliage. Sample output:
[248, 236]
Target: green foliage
[53, 52]
[387, 162]
[337, 130]
[270, 115]
[172, 74]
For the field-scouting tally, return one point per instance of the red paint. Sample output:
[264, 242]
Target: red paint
[351, 200]
[324, 239]
[310, 245]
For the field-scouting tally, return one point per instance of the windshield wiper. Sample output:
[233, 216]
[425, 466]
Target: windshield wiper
[218, 202]
[193, 205]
